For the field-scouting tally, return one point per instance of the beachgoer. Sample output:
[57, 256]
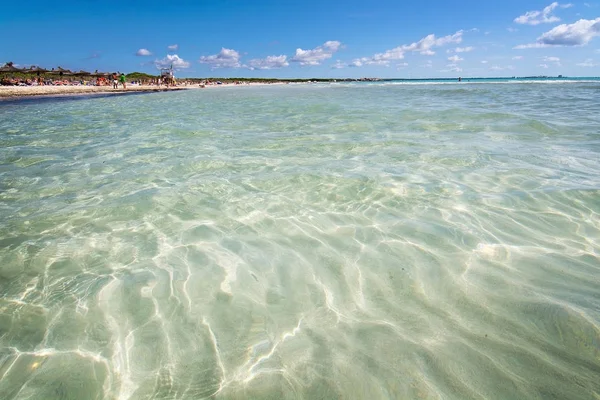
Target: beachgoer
[115, 81]
[122, 80]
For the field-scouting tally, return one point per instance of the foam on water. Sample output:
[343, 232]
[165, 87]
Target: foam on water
[303, 241]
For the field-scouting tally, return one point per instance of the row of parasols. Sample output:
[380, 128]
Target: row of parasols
[9, 67]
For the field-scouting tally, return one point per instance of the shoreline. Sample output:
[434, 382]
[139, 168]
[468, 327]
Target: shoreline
[23, 92]
[29, 92]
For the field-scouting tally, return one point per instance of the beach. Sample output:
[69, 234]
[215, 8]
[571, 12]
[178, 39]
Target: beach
[49, 90]
[70, 90]
[370, 240]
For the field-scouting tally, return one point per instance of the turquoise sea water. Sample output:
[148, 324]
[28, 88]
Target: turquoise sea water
[344, 241]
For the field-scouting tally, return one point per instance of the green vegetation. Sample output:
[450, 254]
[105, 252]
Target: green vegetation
[139, 76]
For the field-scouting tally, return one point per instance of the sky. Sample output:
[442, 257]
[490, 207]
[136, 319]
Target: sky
[308, 39]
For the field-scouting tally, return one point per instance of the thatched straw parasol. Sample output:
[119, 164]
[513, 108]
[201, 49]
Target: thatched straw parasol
[61, 71]
[9, 67]
[35, 70]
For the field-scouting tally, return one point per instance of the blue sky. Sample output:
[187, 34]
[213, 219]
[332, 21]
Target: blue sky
[269, 38]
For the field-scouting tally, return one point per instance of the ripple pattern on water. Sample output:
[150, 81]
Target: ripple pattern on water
[325, 241]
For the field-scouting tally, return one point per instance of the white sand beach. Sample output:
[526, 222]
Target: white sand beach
[29, 91]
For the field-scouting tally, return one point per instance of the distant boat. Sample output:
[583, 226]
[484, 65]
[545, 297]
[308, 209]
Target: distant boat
[560, 76]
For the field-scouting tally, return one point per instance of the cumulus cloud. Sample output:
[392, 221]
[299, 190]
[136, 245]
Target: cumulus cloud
[423, 46]
[338, 65]
[541, 17]
[271, 62]
[452, 68]
[173, 47]
[498, 68]
[143, 52]
[555, 60]
[464, 49]
[579, 33]
[172, 60]
[227, 58]
[455, 59]
[587, 63]
[317, 55]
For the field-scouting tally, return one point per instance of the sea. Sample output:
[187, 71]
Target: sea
[348, 240]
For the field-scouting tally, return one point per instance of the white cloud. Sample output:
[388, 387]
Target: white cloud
[497, 68]
[531, 46]
[317, 55]
[484, 61]
[227, 58]
[517, 58]
[271, 62]
[464, 49]
[555, 60]
[359, 62]
[453, 68]
[588, 63]
[143, 52]
[402, 65]
[338, 65]
[455, 58]
[423, 46]
[173, 47]
[544, 65]
[576, 34]
[511, 30]
[172, 60]
[541, 17]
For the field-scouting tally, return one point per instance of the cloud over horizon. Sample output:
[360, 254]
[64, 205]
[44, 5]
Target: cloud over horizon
[226, 58]
[143, 52]
[541, 17]
[271, 62]
[317, 55]
[579, 33]
[172, 60]
[423, 46]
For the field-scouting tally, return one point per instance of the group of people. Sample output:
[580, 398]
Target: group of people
[119, 80]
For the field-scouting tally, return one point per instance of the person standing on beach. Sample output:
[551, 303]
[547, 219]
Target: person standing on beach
[123, 80]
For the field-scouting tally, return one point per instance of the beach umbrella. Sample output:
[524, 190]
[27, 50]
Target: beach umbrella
[61, 71]
[9, 67]
[35, 70]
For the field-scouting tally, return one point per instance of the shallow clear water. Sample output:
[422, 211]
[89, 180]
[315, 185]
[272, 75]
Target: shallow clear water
[303, 242]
